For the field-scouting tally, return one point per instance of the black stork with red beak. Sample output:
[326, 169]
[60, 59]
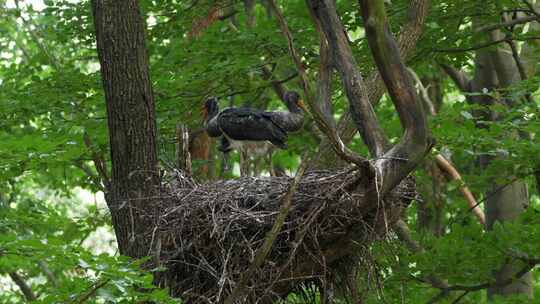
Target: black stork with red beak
[241, 126]
[251, 130]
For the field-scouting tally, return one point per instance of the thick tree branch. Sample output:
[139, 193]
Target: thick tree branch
[416, 141]
[459, 78]
[467, 194]
[407, 39]
[25, 289]
[409, 35]
[324, 79]
[445, 165]
[48, 273]
[360, 107]
[324, 125]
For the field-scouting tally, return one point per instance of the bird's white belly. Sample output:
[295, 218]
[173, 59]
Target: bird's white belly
[251, 146]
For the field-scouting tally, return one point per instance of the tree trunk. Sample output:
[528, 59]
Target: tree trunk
[363, 191]
[497, 69]
[131, 120]
[506, 201]
[430, 211]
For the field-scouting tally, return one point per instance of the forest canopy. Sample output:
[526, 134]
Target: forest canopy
[414, 177]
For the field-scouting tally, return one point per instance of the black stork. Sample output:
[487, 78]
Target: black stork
[251, 129]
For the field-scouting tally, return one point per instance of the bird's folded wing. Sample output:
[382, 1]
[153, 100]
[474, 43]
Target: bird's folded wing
[247, 124]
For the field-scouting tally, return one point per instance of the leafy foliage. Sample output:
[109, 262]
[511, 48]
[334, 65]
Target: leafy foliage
[51, 96]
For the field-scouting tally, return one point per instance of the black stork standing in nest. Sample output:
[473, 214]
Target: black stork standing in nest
[250, 130]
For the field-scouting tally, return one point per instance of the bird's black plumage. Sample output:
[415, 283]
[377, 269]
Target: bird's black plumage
[249, 124]
[246, 124]
[292, 120]
[211, 111]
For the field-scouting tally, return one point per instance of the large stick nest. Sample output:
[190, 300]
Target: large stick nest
[206, 235]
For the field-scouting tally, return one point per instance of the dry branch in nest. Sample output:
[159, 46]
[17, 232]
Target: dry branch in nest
[208, 234]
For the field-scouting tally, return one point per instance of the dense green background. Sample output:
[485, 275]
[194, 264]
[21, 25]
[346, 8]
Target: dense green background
[51, 95]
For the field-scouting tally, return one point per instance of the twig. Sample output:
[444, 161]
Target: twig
[520, 67]
[423, 91]
[277, 85]
[404, 234]
[458, 299]
[485, 45]
[271, 236]
[99, 162]
[532, 9]
[52, 60]
[90, 293]
[444, 164]
[95, 179]
[509, 23]
[485, 198]
[529, 264]
[519, 64]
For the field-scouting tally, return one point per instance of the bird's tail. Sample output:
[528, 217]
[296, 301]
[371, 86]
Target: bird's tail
[280, 144]
[280, 138]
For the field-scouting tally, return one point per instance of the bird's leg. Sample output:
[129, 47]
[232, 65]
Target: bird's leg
[270, 163]
[259, 164]
[225, 148]
[225, 166]
[244, 162]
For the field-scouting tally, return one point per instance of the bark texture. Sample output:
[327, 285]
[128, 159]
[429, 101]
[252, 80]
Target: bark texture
[123, 57]
[409, 35]
[191, 224]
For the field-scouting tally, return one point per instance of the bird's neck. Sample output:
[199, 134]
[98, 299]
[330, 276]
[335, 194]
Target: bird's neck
[212, 114]
[295, 109]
